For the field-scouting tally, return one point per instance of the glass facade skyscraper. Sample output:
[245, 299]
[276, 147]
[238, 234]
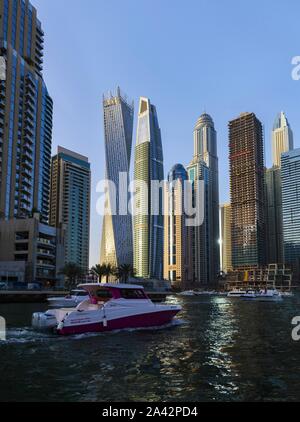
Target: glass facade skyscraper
[25, 114]
[116, 243]
[290, 178]
[70, 204]
[148, 228]
[204, 254]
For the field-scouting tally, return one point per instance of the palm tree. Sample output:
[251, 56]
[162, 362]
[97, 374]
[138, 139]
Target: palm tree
[99, 271]
[108, 271]
[124, 271]
[73, 272]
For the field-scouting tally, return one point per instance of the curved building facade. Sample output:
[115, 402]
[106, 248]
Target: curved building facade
[116, 243]
[148, 228]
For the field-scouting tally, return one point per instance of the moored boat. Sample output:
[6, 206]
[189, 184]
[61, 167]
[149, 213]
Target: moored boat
[237, 293]
[73, 299]
[269, 295]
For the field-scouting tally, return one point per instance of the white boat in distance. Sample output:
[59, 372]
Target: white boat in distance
[187, 293]
[237, 293]
[269, 295]
[249, 295]
[73, 299]
[108, 307]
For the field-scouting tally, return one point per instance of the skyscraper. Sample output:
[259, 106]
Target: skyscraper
[282, 138]
[282, 141]
[225, 238]
[116, 244]
[290, 176]
[246, 157]
[70, 204]
[205, 259]
[175, 229]
[25, 114]
[274, 216]
[148, 226]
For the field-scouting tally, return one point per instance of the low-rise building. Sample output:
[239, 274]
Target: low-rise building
[36, 249]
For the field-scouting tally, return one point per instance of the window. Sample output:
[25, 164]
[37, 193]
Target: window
[132, 294]
[103, 294]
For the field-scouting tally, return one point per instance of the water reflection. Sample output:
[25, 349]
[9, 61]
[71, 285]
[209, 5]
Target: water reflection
[221, 349]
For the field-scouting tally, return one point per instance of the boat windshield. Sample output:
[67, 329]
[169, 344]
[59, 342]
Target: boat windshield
[132, 294]
[102, 295]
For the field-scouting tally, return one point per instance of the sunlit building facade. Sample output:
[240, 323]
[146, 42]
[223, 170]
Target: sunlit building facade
[116, 243]
[282, 138]
[148, 226]
[175, 229]
[204, 247]
[225, 238]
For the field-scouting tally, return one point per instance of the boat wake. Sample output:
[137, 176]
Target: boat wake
[29, 335]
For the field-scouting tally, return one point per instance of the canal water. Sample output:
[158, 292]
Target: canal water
[219, 349]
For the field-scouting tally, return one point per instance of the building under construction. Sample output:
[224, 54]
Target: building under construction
[246, 157]
[278, 276]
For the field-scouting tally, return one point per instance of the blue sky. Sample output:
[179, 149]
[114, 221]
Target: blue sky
[186, 56]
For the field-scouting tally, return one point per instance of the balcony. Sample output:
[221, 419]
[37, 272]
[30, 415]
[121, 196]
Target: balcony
[25, 188]
[42, 263]
[26, 172]
[27, 164]
[46, 242]
[45, 253]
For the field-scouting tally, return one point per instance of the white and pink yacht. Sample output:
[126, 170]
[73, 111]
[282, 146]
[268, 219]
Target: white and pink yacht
[108, 307]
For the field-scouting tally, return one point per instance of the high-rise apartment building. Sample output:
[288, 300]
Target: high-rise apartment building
[117, 244]
[225, 238]
[282, 141]
[204, 255]
[290, 178]
[274, 231]
[246, 157]
[282, 138]
[148, 205]
[70, 204]
[175, 229]
[25, 114]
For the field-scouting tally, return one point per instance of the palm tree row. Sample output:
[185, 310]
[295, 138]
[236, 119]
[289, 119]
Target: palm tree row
[122, 273]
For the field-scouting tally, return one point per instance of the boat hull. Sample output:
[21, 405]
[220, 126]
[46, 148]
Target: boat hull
[153, 319]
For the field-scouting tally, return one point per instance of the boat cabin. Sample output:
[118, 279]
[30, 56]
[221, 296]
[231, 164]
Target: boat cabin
[105, 292]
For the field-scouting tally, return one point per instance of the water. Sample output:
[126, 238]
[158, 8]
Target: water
[219, 349]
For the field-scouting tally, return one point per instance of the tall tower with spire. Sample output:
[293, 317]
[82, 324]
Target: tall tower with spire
[204, 166]
[282, 138]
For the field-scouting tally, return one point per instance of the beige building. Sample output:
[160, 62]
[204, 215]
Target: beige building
[175, 231]
[225, 240]
[282, 138]
[33, 246]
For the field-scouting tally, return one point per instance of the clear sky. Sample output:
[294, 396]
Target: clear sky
[224, 57]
